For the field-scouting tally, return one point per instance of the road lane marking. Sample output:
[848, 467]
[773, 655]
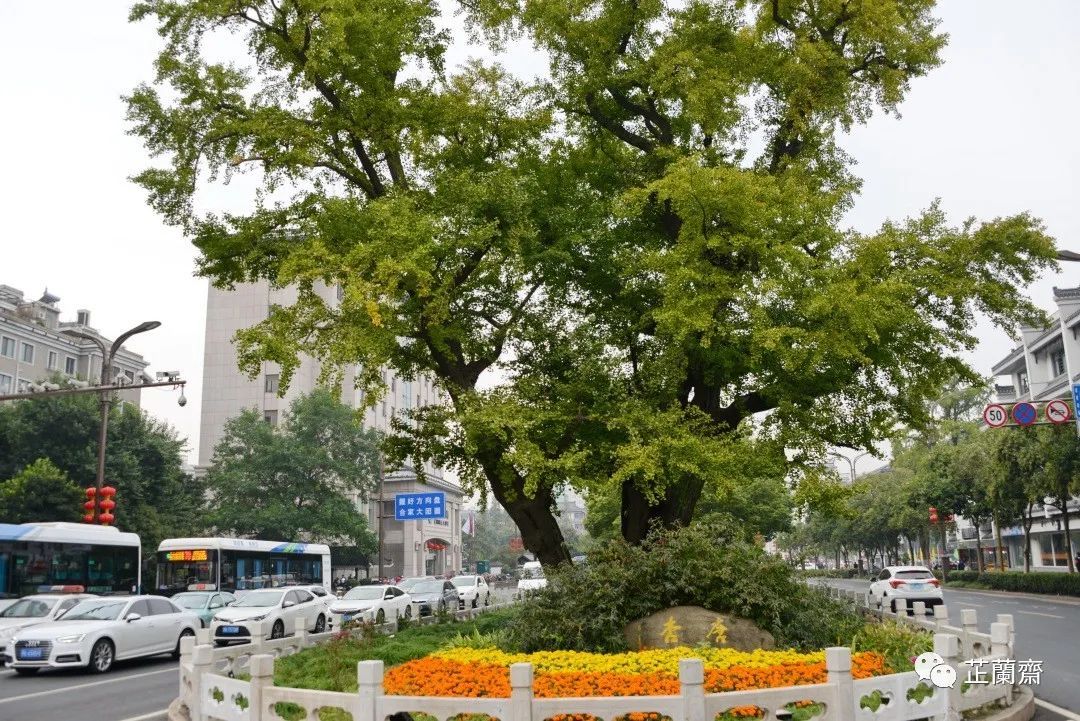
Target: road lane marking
[62, 689]
[1057, 709]
[1036, 613]
[148, 716]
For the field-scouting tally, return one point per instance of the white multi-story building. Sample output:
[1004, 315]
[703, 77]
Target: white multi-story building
[1043, 367]
[35, 346]
[410, 548]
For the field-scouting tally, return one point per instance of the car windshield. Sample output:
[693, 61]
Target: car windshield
[191, 600]
[408, 583]
[426, 587]
[532, 572]
[914, 574]
[95, 611]
[365, 593]
[29, 608]
[463, 581]
[260, 599]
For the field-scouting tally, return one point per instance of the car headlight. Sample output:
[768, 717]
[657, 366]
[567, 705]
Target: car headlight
[217, 619]
[71, 639]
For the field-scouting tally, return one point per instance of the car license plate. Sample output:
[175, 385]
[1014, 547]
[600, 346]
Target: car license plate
[346, 617]
[29, 654]
[918, 587]
[230, 629]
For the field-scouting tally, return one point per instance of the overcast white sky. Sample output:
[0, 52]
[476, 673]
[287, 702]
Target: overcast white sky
[991, 133]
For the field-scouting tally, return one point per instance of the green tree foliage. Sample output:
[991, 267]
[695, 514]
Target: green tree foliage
[646, 242]
[296, 480]
[491, 541]
[143, 460]
[40, 492]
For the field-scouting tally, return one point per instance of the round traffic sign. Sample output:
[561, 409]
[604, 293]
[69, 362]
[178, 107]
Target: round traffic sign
[1057, 412]
[1024, 414]
[995, 415]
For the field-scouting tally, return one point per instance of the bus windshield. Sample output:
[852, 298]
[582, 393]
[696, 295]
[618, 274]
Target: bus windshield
[86, 561]
[177, 571]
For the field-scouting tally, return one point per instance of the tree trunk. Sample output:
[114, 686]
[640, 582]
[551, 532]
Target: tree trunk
[1028, 521]
[1000, 546]
[540, 532]
[911, 550]
[978, 545]
[676, 508]
[1068, 535]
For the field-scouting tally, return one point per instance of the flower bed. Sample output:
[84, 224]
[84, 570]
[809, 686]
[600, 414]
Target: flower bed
[486, 672]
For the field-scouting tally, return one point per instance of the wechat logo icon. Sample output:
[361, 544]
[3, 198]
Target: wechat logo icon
[930, 666]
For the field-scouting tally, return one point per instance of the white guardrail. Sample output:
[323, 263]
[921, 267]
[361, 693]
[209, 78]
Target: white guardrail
[210, 692]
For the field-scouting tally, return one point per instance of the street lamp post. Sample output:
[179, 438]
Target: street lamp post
[106, 368]
[851, 461]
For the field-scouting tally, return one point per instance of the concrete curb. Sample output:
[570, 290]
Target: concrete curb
[1022, 709]
[179, 712]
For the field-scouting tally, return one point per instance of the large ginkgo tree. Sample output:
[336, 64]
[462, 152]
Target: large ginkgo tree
[627, 272]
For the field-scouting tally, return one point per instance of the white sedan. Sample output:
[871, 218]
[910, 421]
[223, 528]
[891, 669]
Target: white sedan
[911, 583]
[377, 604]
[278, 609]
[472, 591]
[30, 611]
[98, 631]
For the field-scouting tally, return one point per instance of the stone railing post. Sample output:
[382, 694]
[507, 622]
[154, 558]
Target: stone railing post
[838, 668]
[1007, 619]
[999, 647]
[187, 648]
[202, 636]
[300, 632]
[969, 622]
[692, 688]
[941, 615]
[901, 607]
[521, 691]
[919, 609]
[258, 636]
[261, 668]
[948, 647]
[369, 686]
[202, 663]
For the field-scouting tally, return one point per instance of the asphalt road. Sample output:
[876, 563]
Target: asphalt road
[133, 691]
[1046, 630]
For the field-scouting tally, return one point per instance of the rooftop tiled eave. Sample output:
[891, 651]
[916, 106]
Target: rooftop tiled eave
[1012, 363]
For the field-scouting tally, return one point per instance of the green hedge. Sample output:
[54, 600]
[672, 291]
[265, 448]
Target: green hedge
[1062, 584]
[827, 573]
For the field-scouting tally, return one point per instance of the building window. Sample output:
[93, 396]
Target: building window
[52, 360]
[1023, 384]
[271, 385]
[340, 293]
[23, 386]
[7, 347]
[1057, 362]
[27, 353]
[270, 417]
[384, 409]
[407, 390]
[5, 383]
[69, 366]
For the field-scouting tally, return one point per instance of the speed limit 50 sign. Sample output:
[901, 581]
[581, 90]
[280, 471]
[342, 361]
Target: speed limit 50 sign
[995, 415]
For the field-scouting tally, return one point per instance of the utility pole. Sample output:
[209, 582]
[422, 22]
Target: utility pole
[106, 396]
[379, 515]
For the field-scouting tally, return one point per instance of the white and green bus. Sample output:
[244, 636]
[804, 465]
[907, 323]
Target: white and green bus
[238, 564]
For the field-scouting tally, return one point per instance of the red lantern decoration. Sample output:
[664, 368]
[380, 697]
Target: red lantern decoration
[105, 518]
[91, 492]
[107, 504]
[933, 515]
[88, 518]
[108, 491]
[89, 505]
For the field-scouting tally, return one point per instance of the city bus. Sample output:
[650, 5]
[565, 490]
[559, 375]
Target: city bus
[239, 564]
[67, 557]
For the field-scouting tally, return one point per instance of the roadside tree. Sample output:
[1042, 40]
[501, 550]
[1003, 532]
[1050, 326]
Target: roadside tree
[646, 242]
[40, 492]
[298, 480]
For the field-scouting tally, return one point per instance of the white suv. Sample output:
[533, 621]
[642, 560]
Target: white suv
[472, 591]
[911, 583]
[276, 608]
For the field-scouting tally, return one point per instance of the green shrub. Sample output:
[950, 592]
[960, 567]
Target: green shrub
[898, 642]
[1062, 584]
[586, 607]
